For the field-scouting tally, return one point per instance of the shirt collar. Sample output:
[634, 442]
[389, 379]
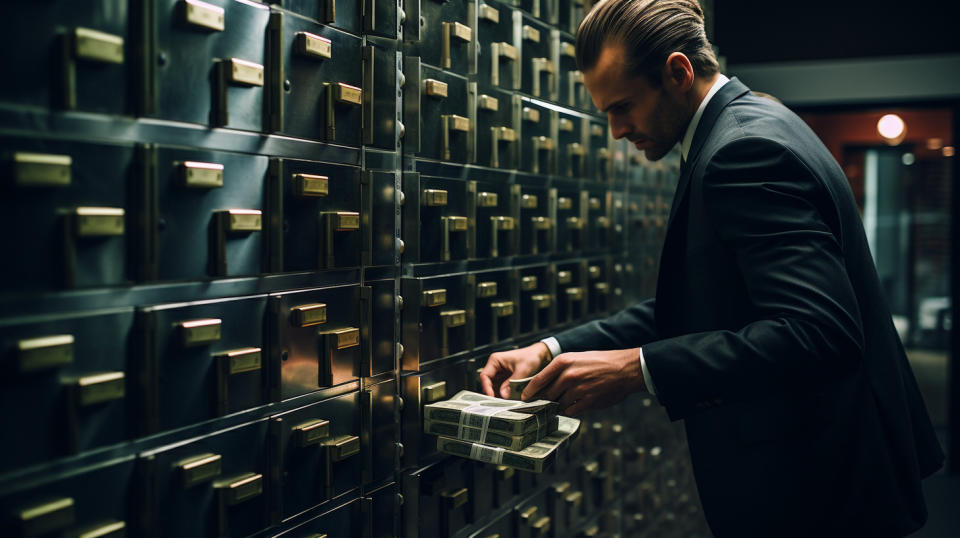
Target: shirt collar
[695, 121]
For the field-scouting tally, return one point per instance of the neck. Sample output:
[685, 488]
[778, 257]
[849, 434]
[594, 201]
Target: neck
[701, 86]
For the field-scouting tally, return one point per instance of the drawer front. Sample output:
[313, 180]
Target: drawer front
[65, 383]
[210, 218]
[438, 223]
[420, 389]
[322, 224]
[538, 70]
[319, 453]
[446, 129]
[446, 35]
[497, 219]
[320, 84]
[572, 293]
[539, 150]
[343, 14]
[93, 501]
[318, 338]
[202, 360]
[212, 486]
[68, 213]
[438, 318]
[498, 63]
[210, 76]
[538, 298]
[440, 499]
[498, 134]
[572, 150]
[79, 56]
[571, 219]
[538, 219]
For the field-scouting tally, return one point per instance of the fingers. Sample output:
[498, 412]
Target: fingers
[486, 376]
[545, 377]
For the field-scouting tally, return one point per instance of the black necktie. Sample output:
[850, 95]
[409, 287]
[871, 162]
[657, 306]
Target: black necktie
[683, 165]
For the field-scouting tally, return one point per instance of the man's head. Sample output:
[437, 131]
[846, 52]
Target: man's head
[640, 59]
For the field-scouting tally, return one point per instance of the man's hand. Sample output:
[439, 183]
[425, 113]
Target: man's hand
[512, 364]
[589, 380]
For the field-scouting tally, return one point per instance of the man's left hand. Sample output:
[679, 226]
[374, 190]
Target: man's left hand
[589, 380]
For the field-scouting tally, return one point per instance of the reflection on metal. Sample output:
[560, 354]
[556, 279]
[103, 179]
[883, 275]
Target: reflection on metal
[96, 46]
[203, 15]
[41, 169]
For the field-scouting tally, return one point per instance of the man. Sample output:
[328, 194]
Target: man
[768, 334]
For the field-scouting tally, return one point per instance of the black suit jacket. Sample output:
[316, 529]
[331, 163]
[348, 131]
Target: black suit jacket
[770, 336]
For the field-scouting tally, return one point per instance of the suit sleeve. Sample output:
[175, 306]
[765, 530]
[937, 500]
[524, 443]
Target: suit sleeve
[771, 215]
[631, 327]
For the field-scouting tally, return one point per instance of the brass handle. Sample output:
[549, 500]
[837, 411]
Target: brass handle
[452, 122]
[308, 314]
[456, 499]
[487, 199]
[311, 433]
[435, 88]
[541, 223]
[528, 283]
[541, 301]
[248, 359]
[435, 297]
[342, 447]
[529, 201]
[199, 469]
[309, 185]
[313, 46]
[564, 277]
[486, 102]
[531, 114]
[96, 46]
[593, 271]
[41, 170]
[530, 34]
[47, 518]
[197, 332]
[502, 309]
[204, 15]
[450, 31]
[435, 392]
[46, 352]
[542, 65]
[564, 203]
[453, 318]
[489, 13]
[244, 73]
[99, 221]
[486, 289]
[575, 294]
[434, 197]
[100, 388]
[451, 224]
[345, 94]
[235, 490]
[241, 221]
[342, 221]
[200, 175]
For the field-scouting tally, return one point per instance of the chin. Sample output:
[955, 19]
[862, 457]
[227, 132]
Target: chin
[655, 154]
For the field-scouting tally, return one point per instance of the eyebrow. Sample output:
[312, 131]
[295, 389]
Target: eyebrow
[615, 103]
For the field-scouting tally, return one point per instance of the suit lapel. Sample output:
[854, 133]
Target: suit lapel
[724, 96]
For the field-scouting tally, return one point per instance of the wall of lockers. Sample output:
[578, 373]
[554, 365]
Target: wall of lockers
[246, 242]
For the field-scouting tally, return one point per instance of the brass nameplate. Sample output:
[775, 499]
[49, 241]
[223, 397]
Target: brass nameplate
[594, 203]
[502, 223]
[113, 529]
[487, 199]
[199, 469]
[456, 499]
[531, 34]
[574, 498]
[346, 94]
[541, 223]
[575, 294]
[593, 271]
[456, 224]
[308, 185]
[461, 31]
[97, 46]
[245, 73]
[343, 447]
[529, 201]
[541, 300]
[528, 283]
[531, 115]
[344, 221]
[528, 514]
[575, 223]
[564, 277]
[241, 488]
[47, 517]
[542, 526]
[577, 149]
[602, 287]
[502, 309]
[99, 388]
[434, 297]
[41, 170]
[311, 433]
[45, 352]
[98, 221]
[564, 203]
[435, 392]
[507, 134]
[488, 103]
[242, 220]
[313, 46]
[486, 289]
[453, 318]
[308, 314]
[204, 15]
[603, 222]
[435, 88]
[345, 338]
[200, 175]
[568, 49]
[434, 197]
[198, 332]
[565, 125]
[596, 130]
[248, 359]
[457, 123]
[489, 13]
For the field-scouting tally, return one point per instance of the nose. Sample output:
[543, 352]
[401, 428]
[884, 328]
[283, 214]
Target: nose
[618, 127]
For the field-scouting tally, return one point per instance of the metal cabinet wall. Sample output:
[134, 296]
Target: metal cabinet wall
[249, 240]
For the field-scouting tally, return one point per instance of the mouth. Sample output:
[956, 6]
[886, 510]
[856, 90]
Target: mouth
[639, 143]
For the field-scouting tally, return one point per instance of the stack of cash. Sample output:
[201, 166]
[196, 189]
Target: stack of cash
[491, 437]
[468, 409]
[534, 458]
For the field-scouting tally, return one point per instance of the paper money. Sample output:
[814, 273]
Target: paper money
[475, 410]
[535, 458]
[517, 386]
[492, 438]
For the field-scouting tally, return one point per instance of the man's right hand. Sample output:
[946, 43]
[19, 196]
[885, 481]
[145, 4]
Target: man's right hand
[512, 364]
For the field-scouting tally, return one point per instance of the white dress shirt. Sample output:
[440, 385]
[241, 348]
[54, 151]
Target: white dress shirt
[552, 344]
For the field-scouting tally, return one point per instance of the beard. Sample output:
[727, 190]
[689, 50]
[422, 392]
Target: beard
[668, 126]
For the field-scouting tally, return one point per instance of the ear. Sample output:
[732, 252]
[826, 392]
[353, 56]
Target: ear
[678, 72]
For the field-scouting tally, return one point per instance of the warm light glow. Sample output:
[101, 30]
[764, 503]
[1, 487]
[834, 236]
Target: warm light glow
[891, 127]
[948, 151]
[934, 144]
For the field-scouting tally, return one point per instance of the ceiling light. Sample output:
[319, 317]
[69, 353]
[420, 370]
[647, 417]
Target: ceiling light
[891, 128]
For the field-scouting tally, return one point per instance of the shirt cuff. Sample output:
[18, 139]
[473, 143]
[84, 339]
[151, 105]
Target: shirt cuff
[553, 346]
[647, 380]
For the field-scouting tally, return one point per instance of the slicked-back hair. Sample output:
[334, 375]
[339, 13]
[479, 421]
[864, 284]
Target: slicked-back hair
[649, 31]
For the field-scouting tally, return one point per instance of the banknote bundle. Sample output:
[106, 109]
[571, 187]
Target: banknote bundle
[470, 409]
[534, 458]
[492, 438]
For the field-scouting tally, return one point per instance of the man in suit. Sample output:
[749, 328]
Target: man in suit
[768, 334]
